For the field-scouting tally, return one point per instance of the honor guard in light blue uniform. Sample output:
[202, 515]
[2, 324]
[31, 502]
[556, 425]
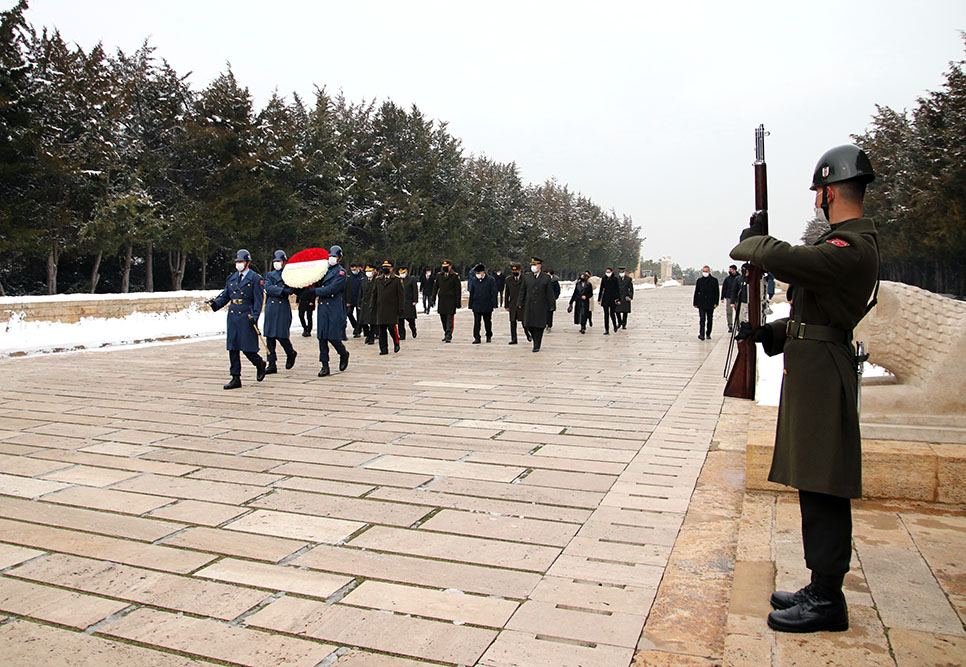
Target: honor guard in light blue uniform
[278, 314]
[331, 315]
[243, 296]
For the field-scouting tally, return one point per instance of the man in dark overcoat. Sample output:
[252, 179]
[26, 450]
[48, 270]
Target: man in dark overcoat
[243, 294]
[278, 314]
[609, 296]
[448, 297]
[511, 301]
[500, 279]
[365, 310]
[331, 315]
[410, 298]
[706, 293]
[387, 306]
[426, 284]
[817, 442]
[353, 298]
[537, 297]
[483, 299]
[625, 287]
[306, 301]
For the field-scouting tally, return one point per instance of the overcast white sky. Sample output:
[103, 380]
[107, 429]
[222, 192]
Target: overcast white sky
[648, 108]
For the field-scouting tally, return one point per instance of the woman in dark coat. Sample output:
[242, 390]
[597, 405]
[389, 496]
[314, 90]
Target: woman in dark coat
[278, 314]
[580, 301]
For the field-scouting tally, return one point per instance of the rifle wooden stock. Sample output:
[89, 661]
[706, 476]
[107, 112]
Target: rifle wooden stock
[741, 382]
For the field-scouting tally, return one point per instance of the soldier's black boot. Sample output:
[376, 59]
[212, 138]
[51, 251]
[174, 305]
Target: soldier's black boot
[234, 383]
[290, 359]
[787, 599]
[821, 606]
[260, 370]
[344, 361]
[271, 368]
[324, 371]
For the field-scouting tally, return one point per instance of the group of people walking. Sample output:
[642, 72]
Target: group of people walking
[382, 304]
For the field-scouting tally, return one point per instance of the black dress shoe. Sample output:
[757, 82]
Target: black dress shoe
[271, 369]
[529, 337]
[816, 612]
[383, 351]
[234, 383]
[489, 339]
[536, 349]
[476, 341]
[413, 333]
[512, 342]
[260, 371]
[324, 371]
[700, 337]
[787, 599]
[343, 361]
[583, 331]
[290, 360]
[395, 348]
[306, 334]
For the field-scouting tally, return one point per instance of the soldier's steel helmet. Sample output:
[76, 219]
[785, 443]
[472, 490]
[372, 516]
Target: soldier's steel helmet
[842, 163]
[243, 256]
[280, 256]
[335, 251]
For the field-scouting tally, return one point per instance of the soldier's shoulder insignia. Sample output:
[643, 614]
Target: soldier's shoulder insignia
[838, 243]
[341, 272]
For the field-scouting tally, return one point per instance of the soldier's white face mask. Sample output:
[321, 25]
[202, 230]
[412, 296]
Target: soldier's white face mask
[368, 274]
[621, 274]
[277, 265]
[403, 274]
[534, 269]
[608, 274]
[333, 261]
[239, 266]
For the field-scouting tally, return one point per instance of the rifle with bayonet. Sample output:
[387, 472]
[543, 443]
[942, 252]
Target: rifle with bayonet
[742, 376]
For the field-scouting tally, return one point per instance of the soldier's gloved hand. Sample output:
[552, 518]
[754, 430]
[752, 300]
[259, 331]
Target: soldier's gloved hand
[756, 225]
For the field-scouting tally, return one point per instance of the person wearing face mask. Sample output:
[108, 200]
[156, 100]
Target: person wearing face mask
[365, 305]
[353, 298]
[483, 299]
[625, 286]
[730, 291]
[609, 296]
[448, 298]
[706, 295]
[426, 284]
[537, 297]
[278, 314]
[243, 294]
[387, 306]
[331, 315]
[410, 298]
[511, 301]
[580, 302]
[500, 280]
[817, 440]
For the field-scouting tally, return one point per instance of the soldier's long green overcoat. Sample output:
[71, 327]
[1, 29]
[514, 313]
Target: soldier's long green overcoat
[817, 443]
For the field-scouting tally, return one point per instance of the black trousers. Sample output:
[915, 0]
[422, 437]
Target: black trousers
[513, 328]
[286, 345]
[705, 319]
[610, 316]
[324, 343]
[622, 318]
[305, 318]
[427, 302]
[583, 314]
[402, 327]
[537, 334]
[487, 320]
[448, 321]
[351, 312]
[384, 331]
[550, 319]
[234, 361]
[826, 532]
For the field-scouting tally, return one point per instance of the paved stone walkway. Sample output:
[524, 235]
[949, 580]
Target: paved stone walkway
[451, 504]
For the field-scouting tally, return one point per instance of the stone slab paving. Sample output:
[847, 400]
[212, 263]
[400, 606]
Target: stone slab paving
[450, 504]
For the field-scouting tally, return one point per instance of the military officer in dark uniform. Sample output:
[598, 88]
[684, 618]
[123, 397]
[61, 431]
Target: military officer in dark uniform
[511, 301]
[387, 306]
[331, 315]
[537, 298]
[244, 292]
[625, 285]
[817, 444]
[410, 298]
[448, 297]
[278, 314]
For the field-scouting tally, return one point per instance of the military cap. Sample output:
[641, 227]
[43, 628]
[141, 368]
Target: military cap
[386, 264]
[447, 262]
[515, 265]
[370, 267]
[622, 268]
[535, 260]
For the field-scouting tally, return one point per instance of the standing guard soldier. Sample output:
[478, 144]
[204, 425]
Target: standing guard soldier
[331, 314]
[448, 297]
[387, 306]
[511, 301]
[243, 291]
[625, 285]
[817, 443]
[278, 314]
[537, 297]
[410, 298]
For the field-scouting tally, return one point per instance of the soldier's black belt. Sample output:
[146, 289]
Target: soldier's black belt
[238, 301]
[805, 331]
